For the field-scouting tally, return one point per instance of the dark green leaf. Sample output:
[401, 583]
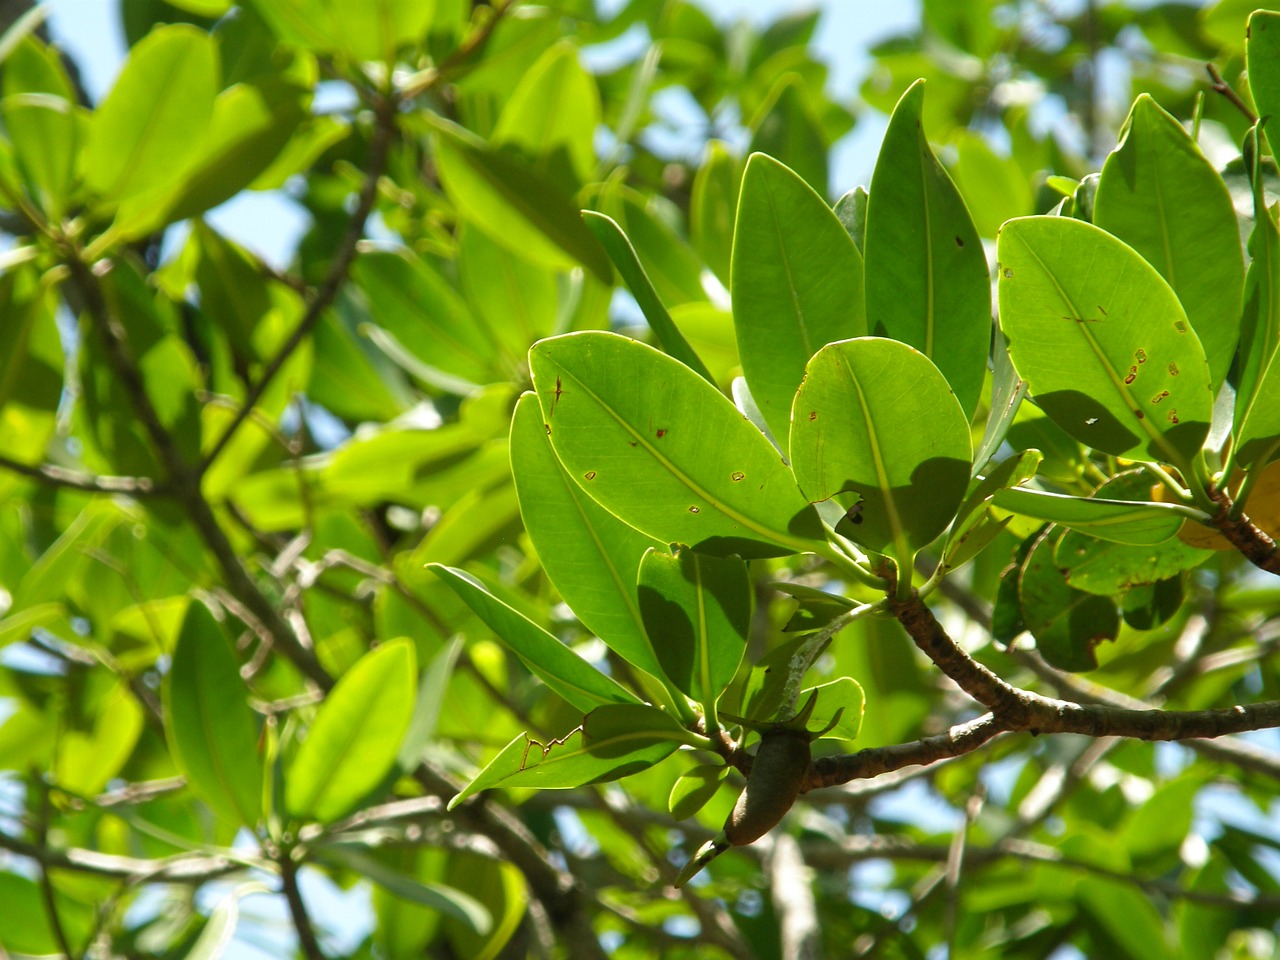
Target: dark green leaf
[697, 611]
[1066, 623]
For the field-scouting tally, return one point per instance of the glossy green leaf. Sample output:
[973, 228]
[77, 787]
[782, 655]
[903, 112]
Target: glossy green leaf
[613, 741]
[1102, 341]
[432, 689]
[697, 611]
[876, 427]
[797, 284]
[651, 224]
[927, 278]
[851, 211]
[662, 449]
[1160, 195]
[591, 556]
[1066, 623]
[552, 117]
[212, 731]
[1262, 53]
[695, 787]
[843, 696]
[437, 896]
[518, 207]
[560, 668]
[1257, 410]
[1120, 521]
[1012, 472]
[152, 124]
[624, 258]
[40, 118]
[786, 127]
[353, 742]
[713, 208]
[65, 559]
[1109, 568]
[1007, 393]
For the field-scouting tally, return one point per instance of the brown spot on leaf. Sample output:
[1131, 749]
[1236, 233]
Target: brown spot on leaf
[959, 242]
[1173, 415]
[589, 475]
[1173, 369]
[694, 510]
[1140, 355]
[813, 414]
[661, 434]
[738, 475]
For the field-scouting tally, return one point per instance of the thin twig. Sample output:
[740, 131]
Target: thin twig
[47, 893]
[297, 909]
[55, 476]
[1221, 86]
[383, 129]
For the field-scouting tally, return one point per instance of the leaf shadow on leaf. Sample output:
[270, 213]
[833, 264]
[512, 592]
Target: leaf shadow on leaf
[864, 502]
[677, 648]
[1086, 419]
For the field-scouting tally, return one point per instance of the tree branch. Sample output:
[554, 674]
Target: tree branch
[384, 127]
[183, 868]
[961, 739]
[55, 476]
[791, 888]
[1019, 709]
[1243, 534]
[1221, 86]
[297, 909]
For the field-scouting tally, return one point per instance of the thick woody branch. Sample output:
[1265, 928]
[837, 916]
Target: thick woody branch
[874, 761]
[1018, 709]
[1243, 534]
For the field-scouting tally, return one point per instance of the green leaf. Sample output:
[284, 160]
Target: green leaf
[40, 118]
[927, 278]
[364, 31]
[844, 696]
[27, 929]
[353, 742]
[876, 427]
[424, 315]
[432, 689]
[1120, 521]
[211, 729]
[560, 668]
[514, 297]
[1066, 623]
[1007, 393]
[1161, 196]
[1105, 567]
[851, 211]
[697, 611]
[651, 224]
[152, 124]
[518, 207]
[614, 741]
[786, 127]
[1262, 52]
[591, 556]
[695, 787]
[713, 208]
[251, 124]
[797, 284]
[994, 188]
[436, 896]
[552, 117]
[87, 758]
[662, 449]
[1257, 409]
[1012, 472]
[624, 258]
[1102, 341]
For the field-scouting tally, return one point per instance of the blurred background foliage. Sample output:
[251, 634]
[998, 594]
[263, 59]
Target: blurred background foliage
[259, 458]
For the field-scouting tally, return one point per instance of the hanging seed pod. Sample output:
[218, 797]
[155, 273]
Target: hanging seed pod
[777, 774]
